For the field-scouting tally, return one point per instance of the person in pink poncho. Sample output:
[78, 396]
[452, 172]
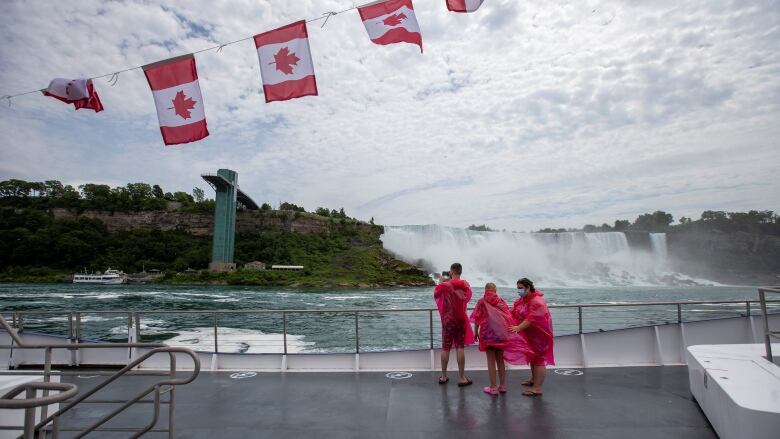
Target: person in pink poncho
[452, 296]
[535, 323]
[492, 322]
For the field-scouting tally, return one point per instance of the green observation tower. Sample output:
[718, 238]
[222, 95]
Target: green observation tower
[229, 197]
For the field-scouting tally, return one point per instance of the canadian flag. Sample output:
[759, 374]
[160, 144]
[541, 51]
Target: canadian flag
[79, 92]
[463, 5]
[285, 63]
[174, 84]
[391, 21]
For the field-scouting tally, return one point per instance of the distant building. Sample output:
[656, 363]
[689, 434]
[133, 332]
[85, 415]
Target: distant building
[254, 265]
[287, 267]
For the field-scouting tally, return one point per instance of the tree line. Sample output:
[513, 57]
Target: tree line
[90, 196]
[131, 197]
[755, 221]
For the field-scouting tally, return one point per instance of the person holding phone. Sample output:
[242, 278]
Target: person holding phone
[452, 296]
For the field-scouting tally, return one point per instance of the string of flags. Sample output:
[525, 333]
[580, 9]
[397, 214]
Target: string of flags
[286, 68]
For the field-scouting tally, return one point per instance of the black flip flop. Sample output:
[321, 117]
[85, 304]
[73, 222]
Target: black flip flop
[467, 383]
[446, 380]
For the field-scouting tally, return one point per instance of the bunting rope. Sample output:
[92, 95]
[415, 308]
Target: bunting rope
[113, 77]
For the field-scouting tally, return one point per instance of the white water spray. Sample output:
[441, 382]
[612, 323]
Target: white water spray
[551, 259]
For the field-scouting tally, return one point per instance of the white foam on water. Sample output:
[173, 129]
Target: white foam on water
[343, 298]
[238, 340]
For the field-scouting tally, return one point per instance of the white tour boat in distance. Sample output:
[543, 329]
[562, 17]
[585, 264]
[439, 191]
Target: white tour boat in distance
[109, 277]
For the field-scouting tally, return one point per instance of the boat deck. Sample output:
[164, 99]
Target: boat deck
[636, 402]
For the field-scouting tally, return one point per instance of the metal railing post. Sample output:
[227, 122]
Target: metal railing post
[216, 343]
[129, 327]
[679, 313]
[78, 326]
[172, 398]
[284, 331]
[430, 326]
[70, 326]
[46, 379]
[747, 307]
[29, 415]
[138, 327]
[357, 334]
[579, 318]
[767, 338]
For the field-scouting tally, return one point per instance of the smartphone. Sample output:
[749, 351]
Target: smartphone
[445, 274]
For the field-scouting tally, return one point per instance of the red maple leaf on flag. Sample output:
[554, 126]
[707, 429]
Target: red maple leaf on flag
[182, 105]
[285, 60]
[394, 20]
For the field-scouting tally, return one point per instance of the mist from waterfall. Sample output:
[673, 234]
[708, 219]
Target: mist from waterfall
[568, 259]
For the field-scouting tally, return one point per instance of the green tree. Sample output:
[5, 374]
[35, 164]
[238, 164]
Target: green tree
[651, 222]
[158, 192]
[198, 194]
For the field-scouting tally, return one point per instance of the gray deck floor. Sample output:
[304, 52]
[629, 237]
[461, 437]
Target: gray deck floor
[636, 402]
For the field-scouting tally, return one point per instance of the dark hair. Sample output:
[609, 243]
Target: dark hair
[456, 268]
[527, 283]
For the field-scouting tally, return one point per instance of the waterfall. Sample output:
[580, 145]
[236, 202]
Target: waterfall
[658, 244]
[552, 259]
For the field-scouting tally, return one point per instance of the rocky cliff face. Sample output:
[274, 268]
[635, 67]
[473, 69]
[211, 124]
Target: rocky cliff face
[202, 224]
[729, 257]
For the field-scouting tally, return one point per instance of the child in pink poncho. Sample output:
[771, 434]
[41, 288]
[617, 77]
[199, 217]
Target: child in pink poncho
[535, 323]
[492, 322]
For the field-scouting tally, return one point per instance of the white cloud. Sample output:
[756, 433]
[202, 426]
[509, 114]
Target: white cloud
[522, 115]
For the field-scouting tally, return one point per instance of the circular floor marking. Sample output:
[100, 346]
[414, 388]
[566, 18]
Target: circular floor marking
[242, 375]
[398, 375]
[568, 372]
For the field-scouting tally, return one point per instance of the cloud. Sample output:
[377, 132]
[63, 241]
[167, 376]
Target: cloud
[521, 115]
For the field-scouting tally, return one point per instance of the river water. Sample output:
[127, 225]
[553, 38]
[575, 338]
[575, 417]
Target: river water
[183, 315]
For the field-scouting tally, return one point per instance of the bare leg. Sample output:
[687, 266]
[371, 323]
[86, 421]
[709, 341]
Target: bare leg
[501, 367]
[539, 374]
[445, 359]
[491, 363]
[461, 352]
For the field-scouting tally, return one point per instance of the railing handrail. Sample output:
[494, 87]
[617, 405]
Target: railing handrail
[66, 390]
[70, 390]
[154, 387]
[369, 310]
[135, 316]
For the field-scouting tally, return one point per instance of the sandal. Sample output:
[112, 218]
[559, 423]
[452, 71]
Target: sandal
[490, 390]
[467, 383]
[502, 388]
[527, 383]
[444, 381]
[530, 392]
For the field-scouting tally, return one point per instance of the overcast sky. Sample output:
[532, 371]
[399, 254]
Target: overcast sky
[522, 115]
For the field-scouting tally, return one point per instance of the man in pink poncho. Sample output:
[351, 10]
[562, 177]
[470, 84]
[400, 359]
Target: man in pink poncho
[535, 323]
[452, 298]
[492, 322]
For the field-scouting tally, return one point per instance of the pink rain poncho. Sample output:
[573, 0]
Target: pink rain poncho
[533, 308]
[452, 299]
[494, 320]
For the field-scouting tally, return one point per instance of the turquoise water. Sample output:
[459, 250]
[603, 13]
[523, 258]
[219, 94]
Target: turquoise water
[167, 313]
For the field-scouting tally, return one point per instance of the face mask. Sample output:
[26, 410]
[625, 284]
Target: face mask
[521, 292]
